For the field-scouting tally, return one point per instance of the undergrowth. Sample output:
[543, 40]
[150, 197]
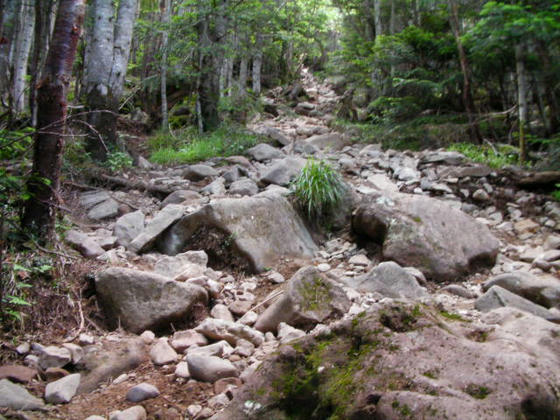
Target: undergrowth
[188, 146]
[496, 156]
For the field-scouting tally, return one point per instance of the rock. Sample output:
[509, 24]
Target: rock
[404, 173]
[234, 174]
[218, 402]
[17, 373]
[140, 300]
[199, 172]
[95, 418]
[457, 290]
[435, 367]
[54, 374]
[275, 277]
[276, 135]
[249, 318]
[210, 368]
[181, 196]
[143, 163]
[90, 199]
[383, 183]
[331, 141]
[133, 413]
[263, 151]
[481, 196]
[23, 348]
[423, 232]
[287, 333]
[244, 187]
[259, 229]
[165, 218]
[216, 187]
[53, 356]
[240, 307]
[542, 290]
[128, 227]
[218, 329]
[105, 362]
[552, 242]
[63, 390]
[182, 370]
[105, 210]
[76, 351]
[142, 392]
[283, 171]
[222, 385]
[86, 339]
[526, 226]
[244, 348]
[193, 262]
[16, 397]
[498, 297]
[391, 280]
[148, 336]
[194, 410]
[474, 171]
[310, 298]
[83, 244]
[182, 340]
[360, 260]
[220, 349]
[443, 157]
[221, 311]
[162, 353]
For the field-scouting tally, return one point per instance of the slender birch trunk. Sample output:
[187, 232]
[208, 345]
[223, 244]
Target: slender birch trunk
[521, 99]
[23, 38]
[257, 65]
[166, 18]
[43, 184]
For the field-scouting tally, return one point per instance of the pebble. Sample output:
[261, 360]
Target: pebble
[162, 353]
[133, 413]
[141, 392]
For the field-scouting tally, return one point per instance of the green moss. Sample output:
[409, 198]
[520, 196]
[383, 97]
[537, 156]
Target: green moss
[477, 391]
[453, 316]
[315, 294]
[432, 374]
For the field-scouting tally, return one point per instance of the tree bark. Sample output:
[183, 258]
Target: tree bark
[521, 99]
[166, 18]
[23, 38]
[43, 184]
[257, 65]
[465, 69]
[9, 21]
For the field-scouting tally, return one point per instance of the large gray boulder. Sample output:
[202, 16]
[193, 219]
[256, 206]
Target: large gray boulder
[161, 221]
[542, 290]
[426, 233]
[310, 298]
[16, 397]
[282, 171]
[406, 361]
[498, 297]
[263, 151]
[330, 141]
[139, 300]
[391, 280]
[129, 226]
[259, 229]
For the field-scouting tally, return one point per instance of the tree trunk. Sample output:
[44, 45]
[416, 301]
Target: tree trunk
[465, 68]
[521, 99]
[124, 28]
[23, 38]
[166, 18]
[257, 65]
[43, 184]
[9, 22]
[377, 18]
[43, 23]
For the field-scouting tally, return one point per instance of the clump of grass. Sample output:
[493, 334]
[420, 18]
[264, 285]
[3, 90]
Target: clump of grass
[498, 157]
[190, 147]
[319, 189]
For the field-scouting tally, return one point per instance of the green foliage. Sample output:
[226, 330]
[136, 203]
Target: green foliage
[118, 161]
[188, 147]
[495, 157]
[556, 193]
[318, 190]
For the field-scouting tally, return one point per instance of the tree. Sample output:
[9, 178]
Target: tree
[43, 184]
[23, 38]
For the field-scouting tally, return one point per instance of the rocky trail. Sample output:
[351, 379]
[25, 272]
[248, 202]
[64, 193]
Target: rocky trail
[436, 295]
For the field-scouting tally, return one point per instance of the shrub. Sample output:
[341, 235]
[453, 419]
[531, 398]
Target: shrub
[318, 190]
[497, 157]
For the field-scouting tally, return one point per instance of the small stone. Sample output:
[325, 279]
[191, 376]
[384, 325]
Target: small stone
[182, 340]
[244, 348]
[86, 339]
[324, 267]
[148, 336]
[23, 348]
[63, 390]
[83, 244]
[526, 226]
[205, 413]
[218, 402]
[552, 242]
[455, 289]
[121, 378]
[133, 413]
[54, 374]
[94, 417]
[249, 318]
[105, 210]
[193, 410]
[76, 351]
[199, 172]
[221, 311]
[359, 260]
[182, 370]
[53, 356]
[141, 392]
[240, 307]
[221, 385]
[275, 277]
[17, 373]
[551, 255]
[286, 333]
[31, 360]
[162, 353]
[481, 196]
[210, 368]
[220, 349]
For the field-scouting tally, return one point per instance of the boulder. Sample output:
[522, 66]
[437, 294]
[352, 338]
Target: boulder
[210, 368]
[263, 151]
[443, 157]
[542, 290]
[259, 229]
[139, 300]
[406, 361]
[180, 196]
[310, 298]
[182, 340]
[276, 135]
[330, 141]
[83, 244]
[283, 171]
[16, 397]
[17, 373]
[173, 266]
[199, 172]
[244, 187]
[391, 280]
[162, 353]
[90, 199]
[219, 329]
[104, 210]
[426, 233]
[53, 356]
[165, 218]
[216, 187]
[498, 297]
[63, 390]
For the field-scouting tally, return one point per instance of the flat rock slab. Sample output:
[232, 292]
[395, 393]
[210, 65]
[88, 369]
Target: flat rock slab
[498, 297]
[104, 210]
[542, 290]
[17, 397]
[423, 232]
[142, 301]
[165, 218]
[260, 229]
[17, 373]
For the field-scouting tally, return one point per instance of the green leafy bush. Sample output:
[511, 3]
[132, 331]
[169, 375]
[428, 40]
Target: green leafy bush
[117, 161]
[497, 157]
[318, 190]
